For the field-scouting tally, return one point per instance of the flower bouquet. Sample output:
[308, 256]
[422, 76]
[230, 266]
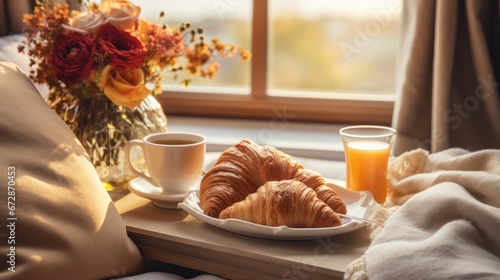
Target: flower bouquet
[103, 64]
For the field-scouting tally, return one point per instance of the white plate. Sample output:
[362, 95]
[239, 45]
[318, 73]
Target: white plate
[358, 204]
[144, 189]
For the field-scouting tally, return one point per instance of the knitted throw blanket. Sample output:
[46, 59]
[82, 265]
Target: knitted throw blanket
[442, 219]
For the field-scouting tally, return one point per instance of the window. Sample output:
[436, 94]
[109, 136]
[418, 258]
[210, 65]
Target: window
[228, 21]
[313, 60]
[332, 46]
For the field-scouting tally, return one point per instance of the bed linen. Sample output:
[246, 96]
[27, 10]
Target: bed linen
[442, 220]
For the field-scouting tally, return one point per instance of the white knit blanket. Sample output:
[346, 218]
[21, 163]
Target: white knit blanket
[448, 224]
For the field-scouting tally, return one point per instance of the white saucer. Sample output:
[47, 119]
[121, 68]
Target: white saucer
[144, 189]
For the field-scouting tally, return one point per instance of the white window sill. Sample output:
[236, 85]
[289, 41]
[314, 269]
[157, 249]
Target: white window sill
[316, 146]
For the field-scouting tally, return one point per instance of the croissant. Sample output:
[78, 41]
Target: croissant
[324, 192]
[289, 202]
[244, 167]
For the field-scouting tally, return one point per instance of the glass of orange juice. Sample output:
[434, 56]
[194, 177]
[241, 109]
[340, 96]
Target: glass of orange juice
[367, 149]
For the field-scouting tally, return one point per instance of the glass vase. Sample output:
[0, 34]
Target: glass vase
[104, 128]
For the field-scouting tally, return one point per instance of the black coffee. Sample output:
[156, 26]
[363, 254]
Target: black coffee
[173, 142]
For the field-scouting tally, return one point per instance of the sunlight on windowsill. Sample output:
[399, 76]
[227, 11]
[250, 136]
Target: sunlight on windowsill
[316, 146]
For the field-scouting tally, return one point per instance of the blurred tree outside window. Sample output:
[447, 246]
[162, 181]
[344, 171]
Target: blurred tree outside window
[318, 51]
[334, 46]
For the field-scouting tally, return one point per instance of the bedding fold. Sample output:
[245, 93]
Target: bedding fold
[448, 223]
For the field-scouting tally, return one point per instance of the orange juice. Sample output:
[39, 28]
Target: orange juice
[367, 167]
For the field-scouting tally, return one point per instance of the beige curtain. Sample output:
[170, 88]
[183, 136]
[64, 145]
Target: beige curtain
[450, 76]
[11, 14]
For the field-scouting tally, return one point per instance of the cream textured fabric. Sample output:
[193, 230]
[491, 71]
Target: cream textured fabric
[448, 224]
[448, 89]
[478, 172]
[357, 269]
[67, 226]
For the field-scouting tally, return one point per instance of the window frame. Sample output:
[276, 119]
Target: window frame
[259, 105]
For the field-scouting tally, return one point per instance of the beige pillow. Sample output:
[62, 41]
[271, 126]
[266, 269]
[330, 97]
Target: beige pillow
[63, 222]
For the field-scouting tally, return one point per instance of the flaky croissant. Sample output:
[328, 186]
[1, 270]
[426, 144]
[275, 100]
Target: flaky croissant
[244, 167]
[324, 192]
[289, 202]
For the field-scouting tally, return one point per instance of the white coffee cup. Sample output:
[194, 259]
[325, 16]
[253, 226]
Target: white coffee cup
[174, 160]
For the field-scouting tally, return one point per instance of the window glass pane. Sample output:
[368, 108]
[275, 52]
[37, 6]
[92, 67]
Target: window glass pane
[228, 20]
[334, 46]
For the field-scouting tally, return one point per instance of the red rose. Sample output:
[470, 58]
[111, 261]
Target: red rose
[124, 50]
[72, 58]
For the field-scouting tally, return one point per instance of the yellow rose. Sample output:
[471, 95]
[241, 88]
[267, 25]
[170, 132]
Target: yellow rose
[142, 29]
[124, 86]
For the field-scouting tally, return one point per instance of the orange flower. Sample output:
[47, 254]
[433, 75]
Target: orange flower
[124, 86]
[163, 44]
[126, 52]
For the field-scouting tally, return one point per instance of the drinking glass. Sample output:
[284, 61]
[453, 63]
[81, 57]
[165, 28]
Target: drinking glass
[367, 149]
